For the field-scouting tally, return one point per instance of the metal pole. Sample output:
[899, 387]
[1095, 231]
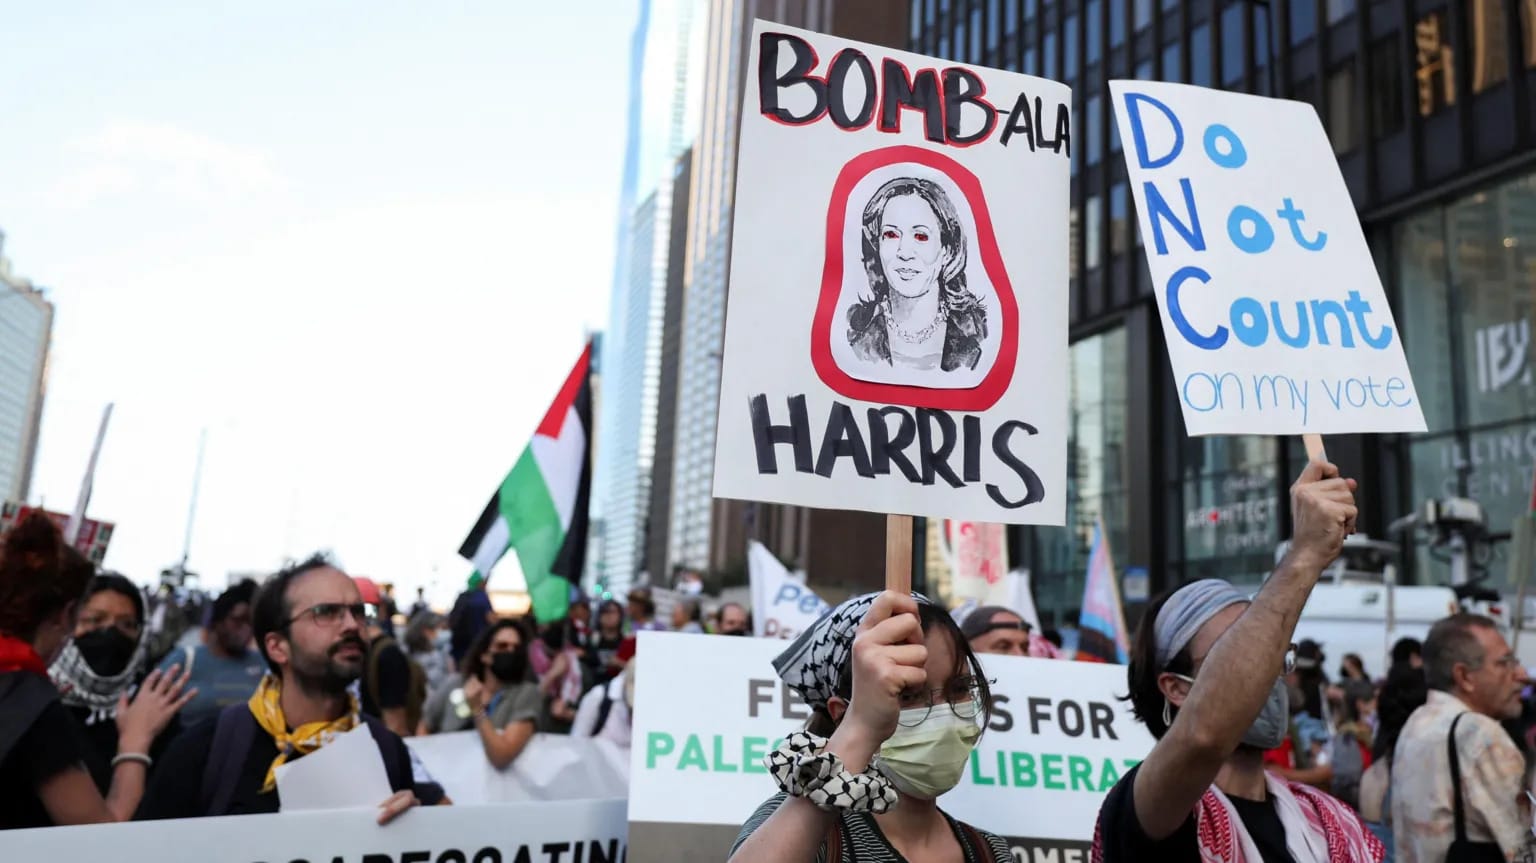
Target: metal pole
[197, 481]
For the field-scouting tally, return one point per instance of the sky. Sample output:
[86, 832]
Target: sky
[360, 243]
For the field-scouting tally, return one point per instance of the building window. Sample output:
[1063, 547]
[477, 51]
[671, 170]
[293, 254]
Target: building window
[1434, 64]
[1168, 5]
[1116, 23]
[1232, 44]
[1171, 70]
[1049, 69]
[1490, 43]
[1338, 10]
[1011, 17]
[1343, 116]
[1230, 493]
[1200, 56]
[1029, 63]
[1119, 220]
[1262, 48]
[1095, 127]
[916, 17]
[1386, 90]
[1528, 27]
[976, 32]
[1069, 48]
[960, 41]
[1093, 13]
[1093, 215]
[1141, 12]
[1031, 8]
[1303, 20]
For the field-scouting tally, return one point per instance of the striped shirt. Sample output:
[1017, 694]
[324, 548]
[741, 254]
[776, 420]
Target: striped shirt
[864, 843]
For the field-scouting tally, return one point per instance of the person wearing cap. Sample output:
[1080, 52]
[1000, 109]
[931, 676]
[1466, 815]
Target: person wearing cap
[1207, 678]
[225, 668]
[898, 703]
[994, 629]
[387, 677]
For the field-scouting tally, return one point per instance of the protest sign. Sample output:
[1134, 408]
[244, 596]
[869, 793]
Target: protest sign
[591, 831]
[550, 767]
[977, 554]
[1057, 741]
[781, 606]
[896, 332]
[1274, 316]
[91, 540]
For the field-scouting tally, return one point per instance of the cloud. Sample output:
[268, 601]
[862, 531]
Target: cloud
[167, 164]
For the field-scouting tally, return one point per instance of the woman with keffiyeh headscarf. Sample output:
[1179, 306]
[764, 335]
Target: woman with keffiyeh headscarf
[1206, 678]
[41, 781]
[898, 702]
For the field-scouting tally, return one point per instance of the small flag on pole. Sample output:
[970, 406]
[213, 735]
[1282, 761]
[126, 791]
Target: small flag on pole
[1102, 635]
[540, 509]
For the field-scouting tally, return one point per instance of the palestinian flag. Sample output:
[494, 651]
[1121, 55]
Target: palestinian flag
[541, 507]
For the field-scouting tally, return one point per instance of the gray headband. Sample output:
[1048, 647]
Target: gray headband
[1188, 610]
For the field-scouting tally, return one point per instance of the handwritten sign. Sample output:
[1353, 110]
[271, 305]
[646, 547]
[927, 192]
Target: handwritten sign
[896, 332]
[1274, 315]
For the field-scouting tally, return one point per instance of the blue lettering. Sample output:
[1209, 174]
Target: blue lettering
[1295, 216]
[1215, 383]
[1323, 308]
[1360, 308]
[1176, 313]
[1248, 321]
[1235, 156]
[1158, 210]
[1133, 102]
[1263, 235]
[1396, 384]
[1303, 335]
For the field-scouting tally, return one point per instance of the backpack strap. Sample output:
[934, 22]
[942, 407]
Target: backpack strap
[603, 709]
[1459, 813]
[397, 765]
[232, 737]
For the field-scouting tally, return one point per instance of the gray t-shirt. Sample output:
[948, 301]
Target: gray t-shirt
[446, 710]
[219, 682]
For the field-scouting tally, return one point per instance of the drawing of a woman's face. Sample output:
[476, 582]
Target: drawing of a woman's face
[909, 245]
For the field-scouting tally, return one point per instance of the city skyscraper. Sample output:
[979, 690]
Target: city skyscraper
[26, 326]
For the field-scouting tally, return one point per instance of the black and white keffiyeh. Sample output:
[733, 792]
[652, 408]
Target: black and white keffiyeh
[814, 661]
[79, 686]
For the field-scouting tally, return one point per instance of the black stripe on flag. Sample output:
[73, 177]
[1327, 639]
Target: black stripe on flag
[471, 547]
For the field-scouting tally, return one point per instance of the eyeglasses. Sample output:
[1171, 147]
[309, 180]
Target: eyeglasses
[962, 695]
[330, 613]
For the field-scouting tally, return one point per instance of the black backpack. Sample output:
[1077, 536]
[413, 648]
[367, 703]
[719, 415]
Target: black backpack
[232, 739]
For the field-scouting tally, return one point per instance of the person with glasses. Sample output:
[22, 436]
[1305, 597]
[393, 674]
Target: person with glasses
[1207, 677]
[1464, 765]
[898, 702]
[102, 666]
[224, 669]
[309, 621]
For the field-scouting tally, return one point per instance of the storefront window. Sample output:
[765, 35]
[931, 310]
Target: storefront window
[1229, 512]
[1422, 310]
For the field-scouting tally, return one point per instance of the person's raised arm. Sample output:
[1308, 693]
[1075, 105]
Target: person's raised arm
[1239, 671]
[888, 658]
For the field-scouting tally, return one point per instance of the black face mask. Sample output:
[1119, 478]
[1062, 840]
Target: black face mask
[509, 667]
[107, 650]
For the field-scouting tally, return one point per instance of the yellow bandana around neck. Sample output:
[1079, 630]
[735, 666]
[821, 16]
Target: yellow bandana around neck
[267, 706]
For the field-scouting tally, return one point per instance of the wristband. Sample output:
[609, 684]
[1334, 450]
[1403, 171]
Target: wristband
[803, 768]
[133, 757]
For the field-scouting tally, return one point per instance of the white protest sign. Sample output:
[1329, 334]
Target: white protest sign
[1058, 741]
[1275, 318]
[590, 831]
[550, 767]
[346, 773]
[897, 327]
[781, 606]
[978, 561]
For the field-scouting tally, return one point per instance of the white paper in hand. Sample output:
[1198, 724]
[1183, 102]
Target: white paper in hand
[347, 773]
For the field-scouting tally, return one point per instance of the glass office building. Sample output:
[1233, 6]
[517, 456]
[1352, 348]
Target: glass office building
[1428, 104]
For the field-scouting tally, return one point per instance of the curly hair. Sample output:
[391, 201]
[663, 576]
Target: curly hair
[40, 575]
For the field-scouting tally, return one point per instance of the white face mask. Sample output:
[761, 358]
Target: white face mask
[928, 758]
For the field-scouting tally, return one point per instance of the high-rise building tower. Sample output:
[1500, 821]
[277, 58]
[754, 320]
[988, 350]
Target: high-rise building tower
[26, 325]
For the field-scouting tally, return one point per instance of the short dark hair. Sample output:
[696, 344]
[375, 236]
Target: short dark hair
[930, 615]
[270, 611]
[1141, 674]
[1402, 694]
[243, 591]
[641, 596]
[39, 576]
[693, 610]
[1451, 642]
[474, 666]
[1406, 649]
[117, 584]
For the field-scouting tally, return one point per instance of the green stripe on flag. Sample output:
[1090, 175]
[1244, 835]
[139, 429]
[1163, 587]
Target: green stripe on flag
[534, 530]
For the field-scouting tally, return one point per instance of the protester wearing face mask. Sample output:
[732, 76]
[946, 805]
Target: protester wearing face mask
[99, 668]
[1206, 678]
[503, 700]
[42, 780]
[899, 701]
[734, 620]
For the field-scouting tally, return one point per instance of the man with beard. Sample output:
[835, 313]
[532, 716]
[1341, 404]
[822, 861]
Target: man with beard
[308, 620]
[223, 669]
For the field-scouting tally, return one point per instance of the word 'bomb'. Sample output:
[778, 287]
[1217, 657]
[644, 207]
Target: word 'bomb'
[1250, 231]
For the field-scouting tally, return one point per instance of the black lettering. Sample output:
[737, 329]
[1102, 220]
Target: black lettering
[452, 855]
[757, 696]
[920, 93]
[1102, 716]
[1034, 491]
[885, 450]
[842, 439]
[794, 706]
[936, 461]
[598, 854]
[1069, 715]
[491, 855]
[416, 857]
[1039, 710]
[1019, 123]
[770, 82]
[766, 435]
[837, 89]
[1063, 130]
[553, 850]
[522, 855]
[1002, 717]
[963, 87]
[378, 858]
[971, 426]
[577, 850]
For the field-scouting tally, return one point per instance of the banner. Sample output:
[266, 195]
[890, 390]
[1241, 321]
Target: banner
[91, 540]
[781, 606]
[550, 767]
[978, 562]
[590, 831]
[896, 336]
[1058, 740]
[1272, 309]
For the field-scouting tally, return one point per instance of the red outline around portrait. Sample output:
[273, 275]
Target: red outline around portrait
[978, 398]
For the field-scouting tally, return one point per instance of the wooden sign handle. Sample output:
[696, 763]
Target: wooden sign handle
[1314, 445]
[898, 553]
